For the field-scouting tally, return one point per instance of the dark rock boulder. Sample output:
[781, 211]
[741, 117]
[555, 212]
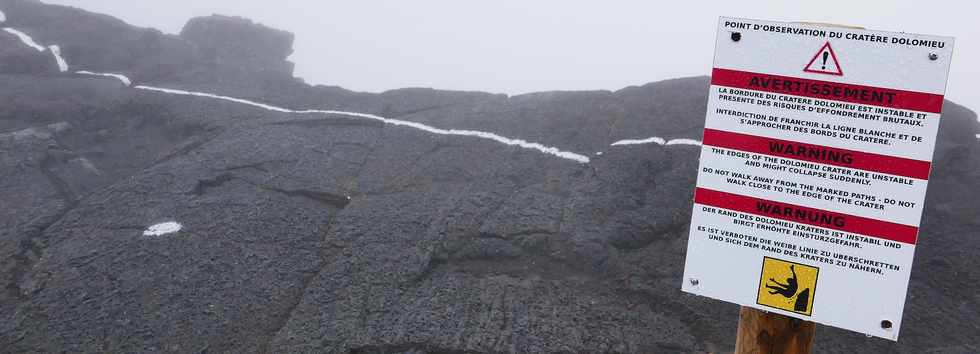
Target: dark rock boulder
[236, 43]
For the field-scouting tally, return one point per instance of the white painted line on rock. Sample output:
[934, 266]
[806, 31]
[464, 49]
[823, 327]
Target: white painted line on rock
[63, 66]
[473, 133]
[56, 51]
[657, 140]
[683, 142]
[163, 229]
[651, 140]
[122, 78]
[208, 95]
[25, 38]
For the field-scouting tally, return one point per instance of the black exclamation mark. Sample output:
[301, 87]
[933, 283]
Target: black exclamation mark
[825, 55]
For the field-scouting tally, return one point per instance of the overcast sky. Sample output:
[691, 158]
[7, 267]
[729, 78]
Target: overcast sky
[519, 46]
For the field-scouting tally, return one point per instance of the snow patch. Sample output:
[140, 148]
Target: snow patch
[25, 38]
[122, 78]
[56, 51]
[3, 17]
[651, 140]
[598, 153]
[162, 229]
[460, 132]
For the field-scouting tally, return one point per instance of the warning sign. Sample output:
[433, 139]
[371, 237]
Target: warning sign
[787, 285]
[824, 62]
[815, 173]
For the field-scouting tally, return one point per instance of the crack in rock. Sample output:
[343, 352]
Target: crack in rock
[281, 320]
[259, 166]
[189, 147]
[404, 348]
[204, 184]
[335, 200]
[33, 244]
[337, 121]
[389, 112]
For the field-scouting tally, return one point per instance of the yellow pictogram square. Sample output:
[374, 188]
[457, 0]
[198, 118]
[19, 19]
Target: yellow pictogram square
[787, 285]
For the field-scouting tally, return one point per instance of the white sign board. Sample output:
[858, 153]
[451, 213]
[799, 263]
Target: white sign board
[818, 143]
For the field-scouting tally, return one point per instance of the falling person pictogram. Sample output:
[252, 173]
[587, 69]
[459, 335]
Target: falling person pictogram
[788, 290]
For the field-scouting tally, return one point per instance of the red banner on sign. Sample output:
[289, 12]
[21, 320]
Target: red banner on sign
[874, 96]
[809, 216]
[817, 153]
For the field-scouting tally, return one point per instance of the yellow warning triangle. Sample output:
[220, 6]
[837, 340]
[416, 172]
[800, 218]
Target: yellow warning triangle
[824, 62]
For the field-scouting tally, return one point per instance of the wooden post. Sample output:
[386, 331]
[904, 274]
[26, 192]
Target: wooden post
[762, 332]
[769, 333]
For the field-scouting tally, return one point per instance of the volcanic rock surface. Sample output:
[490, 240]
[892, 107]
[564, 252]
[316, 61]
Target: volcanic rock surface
[239, 44]
[333, 233]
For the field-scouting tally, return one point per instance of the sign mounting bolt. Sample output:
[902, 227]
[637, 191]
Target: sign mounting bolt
[736, 36]
[886, 324]
[933, 56]
[695, 282]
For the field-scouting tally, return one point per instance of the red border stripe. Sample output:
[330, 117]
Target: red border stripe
[860, 160]
[850, 223]
[900, 99]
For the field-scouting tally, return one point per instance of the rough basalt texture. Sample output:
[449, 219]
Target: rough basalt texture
[241, 44]
[16, 58]
[317, 233]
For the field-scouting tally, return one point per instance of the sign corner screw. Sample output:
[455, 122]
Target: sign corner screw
[736, 36]
[886, 324]
[695, 282]
[933, 56]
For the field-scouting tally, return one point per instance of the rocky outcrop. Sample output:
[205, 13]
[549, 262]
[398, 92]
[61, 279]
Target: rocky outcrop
[235, 43]
[231, 50]
[17, 58]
